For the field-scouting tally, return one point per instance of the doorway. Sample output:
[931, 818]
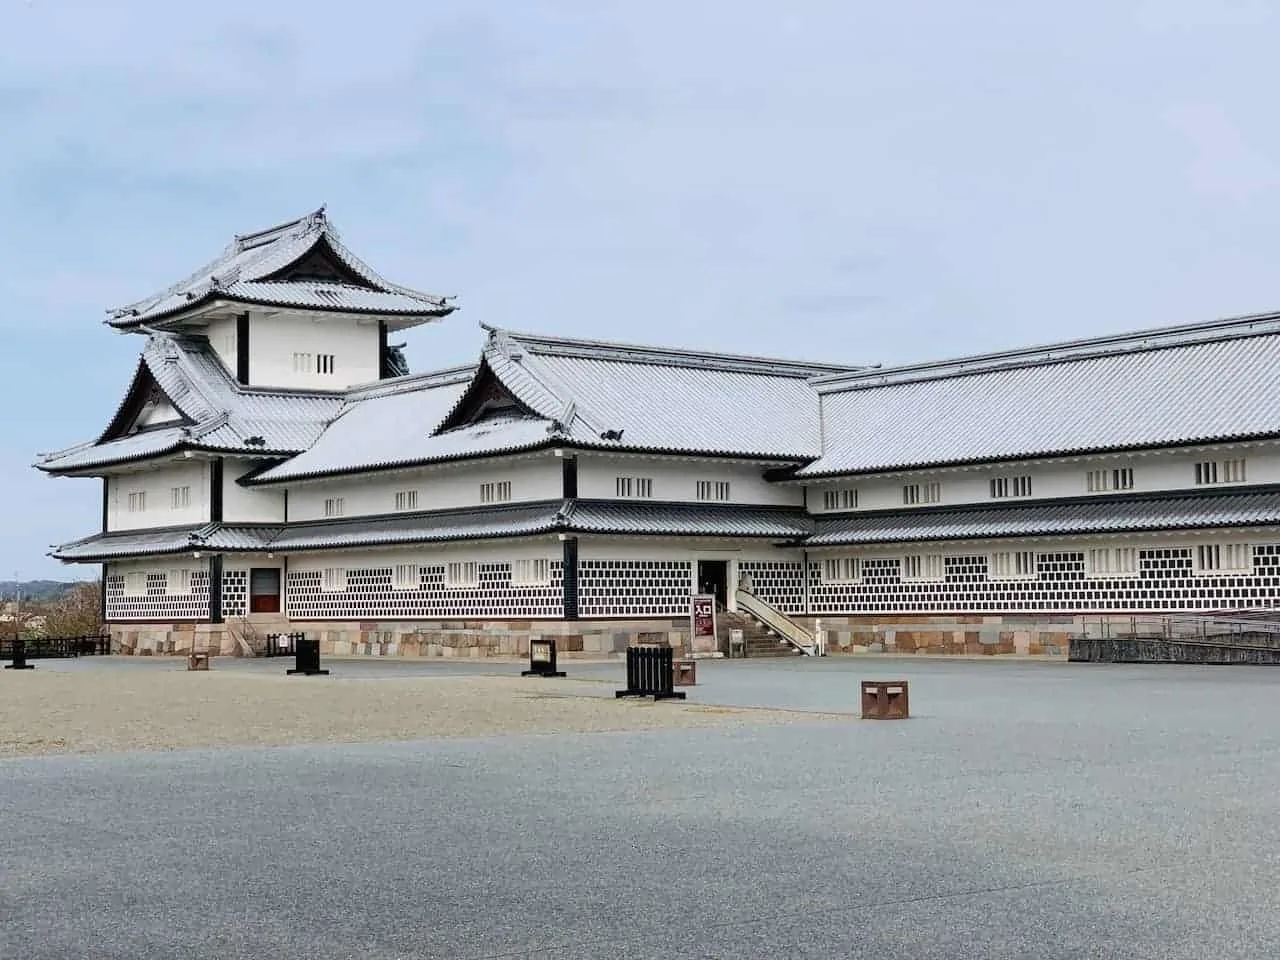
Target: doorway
[264, 590]
[713, 578]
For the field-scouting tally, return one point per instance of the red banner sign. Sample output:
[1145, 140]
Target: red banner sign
[703, 612]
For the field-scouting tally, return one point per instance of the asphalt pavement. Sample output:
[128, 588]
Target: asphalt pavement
[1027, 810]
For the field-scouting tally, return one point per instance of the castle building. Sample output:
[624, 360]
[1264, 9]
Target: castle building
[273, 466]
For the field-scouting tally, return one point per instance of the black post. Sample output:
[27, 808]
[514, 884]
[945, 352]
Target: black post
[242, 347]
[215, 588]
[20, 655]
[307, 658]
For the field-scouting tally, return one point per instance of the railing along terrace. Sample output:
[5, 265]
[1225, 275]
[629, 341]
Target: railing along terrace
[1254, 629]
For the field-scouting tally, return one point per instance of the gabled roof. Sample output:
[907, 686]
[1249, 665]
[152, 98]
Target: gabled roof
[302, 263]
[577, 393]
[1075, 517]
[1198, 384]
[218, 414]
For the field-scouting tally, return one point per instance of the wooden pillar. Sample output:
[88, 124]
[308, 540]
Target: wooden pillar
[570, 545]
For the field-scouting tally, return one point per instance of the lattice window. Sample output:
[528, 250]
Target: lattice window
[179, 581]
[1220, 471]
[1002, 487]
[840, 499]
[406, 500]
[135, 583]
[841, 570]
[462, 575]
[335, 579]
[713, 490]
[1215, 557]
[407, 576]
[1013, 565]
[534, 572]
[304, 363]
[1112, 562]
[914, 494]
[495, 492]
[637, 487]
[179, 497]
[137, 501]
[334, 506]
[922, 567]
[324, 362]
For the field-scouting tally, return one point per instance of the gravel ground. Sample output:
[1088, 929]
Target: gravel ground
[161, 706]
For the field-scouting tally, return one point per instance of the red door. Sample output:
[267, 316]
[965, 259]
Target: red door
[264, 590]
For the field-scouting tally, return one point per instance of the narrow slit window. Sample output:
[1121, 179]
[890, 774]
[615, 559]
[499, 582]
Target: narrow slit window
[498, 491]
[180, 497]
[406, 500]
[533, 572]
[462, 574]
[334, 506]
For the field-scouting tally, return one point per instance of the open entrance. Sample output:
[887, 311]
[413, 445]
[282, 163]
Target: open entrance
[264, 590]
[713, 578]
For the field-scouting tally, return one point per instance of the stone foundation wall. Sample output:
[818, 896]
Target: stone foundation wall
[948, 635]
[582, 639]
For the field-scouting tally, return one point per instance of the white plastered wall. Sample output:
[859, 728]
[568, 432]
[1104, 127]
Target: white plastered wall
[274, 339]
[440, 488]
[157, 484]
[248, 504]
[676, 479]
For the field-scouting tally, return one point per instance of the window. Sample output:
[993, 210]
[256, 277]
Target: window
[406, 499]
[462, 574]
[135, 583]
[406, 576]
[138, 501]
[846, 499]
[641, 487]
[1220, 471]
[324, 363]
[531, 573]
[1010, 487]
[498, 492]
[1104, 481]
[180, 498]
[1222, 557]
[304, 363]
[333, 506]
[713, 490]
[926, 567]
[1013, 565]
[1113, 562]
[335, 579]
[841, 570]
[179, 581]
[917, 493]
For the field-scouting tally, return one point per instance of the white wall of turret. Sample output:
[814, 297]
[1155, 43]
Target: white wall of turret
[171, 495]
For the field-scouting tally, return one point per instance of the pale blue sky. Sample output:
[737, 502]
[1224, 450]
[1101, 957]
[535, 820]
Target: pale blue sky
[827, 179]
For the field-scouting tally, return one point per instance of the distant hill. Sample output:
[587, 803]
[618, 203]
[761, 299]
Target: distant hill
[35, 590]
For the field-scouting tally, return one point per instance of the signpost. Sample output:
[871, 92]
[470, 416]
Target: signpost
[702, 612]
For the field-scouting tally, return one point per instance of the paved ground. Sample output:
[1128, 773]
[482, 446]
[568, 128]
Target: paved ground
[1028, 811]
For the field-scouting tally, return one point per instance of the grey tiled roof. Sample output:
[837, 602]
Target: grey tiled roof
[169, 540]
[686, 519]
[1214, 382]
[240, 274]
[517, 520]
[1102, 515]
[475, 523]
[664, 400]
[223, 415]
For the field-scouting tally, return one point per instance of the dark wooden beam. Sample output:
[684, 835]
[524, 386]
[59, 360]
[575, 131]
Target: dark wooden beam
[570, 578]
[384, 364]
[569, 477]
[215, 490]
[242, 347]
[215, 588]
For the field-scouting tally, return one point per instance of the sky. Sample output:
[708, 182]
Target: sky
[821, 179]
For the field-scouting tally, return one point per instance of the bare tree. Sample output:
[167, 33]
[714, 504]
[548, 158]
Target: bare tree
[77, 613]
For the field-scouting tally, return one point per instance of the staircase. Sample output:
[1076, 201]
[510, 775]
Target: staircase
[779, 624]
[760, 640]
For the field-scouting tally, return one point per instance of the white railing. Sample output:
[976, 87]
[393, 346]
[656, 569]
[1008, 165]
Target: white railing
[778, 622]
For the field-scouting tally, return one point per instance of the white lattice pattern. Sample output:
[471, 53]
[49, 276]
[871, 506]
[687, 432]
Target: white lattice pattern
[156, 603]
[371, 593]
[634, 588]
